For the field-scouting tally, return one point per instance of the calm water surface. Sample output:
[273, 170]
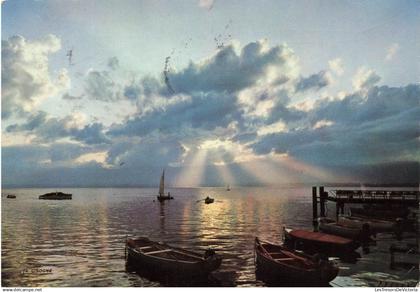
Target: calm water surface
[80, 242]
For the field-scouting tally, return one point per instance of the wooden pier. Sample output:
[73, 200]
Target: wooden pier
[342, 197]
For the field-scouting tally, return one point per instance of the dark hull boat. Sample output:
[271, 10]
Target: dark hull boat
[208, 200]
[160, 258]
[56, 196]
[162, 197]
[315, 242]
[11, 196]
[283, 264]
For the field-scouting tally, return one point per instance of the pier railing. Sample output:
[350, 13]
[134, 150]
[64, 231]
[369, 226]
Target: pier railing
[342, 197]
[357, 196]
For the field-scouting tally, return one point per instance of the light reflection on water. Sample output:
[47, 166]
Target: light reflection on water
[82, 240]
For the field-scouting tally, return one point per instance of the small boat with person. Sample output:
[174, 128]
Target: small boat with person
[162, 197]
[284, 264]
[158, 257]
[208, 200]
[315, 242]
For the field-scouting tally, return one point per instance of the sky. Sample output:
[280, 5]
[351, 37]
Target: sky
[214, 92]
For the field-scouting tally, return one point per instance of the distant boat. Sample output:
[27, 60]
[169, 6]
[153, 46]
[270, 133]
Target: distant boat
[208, 200]
[284, 264]
[161, 258]
[162, 197]
[56, 196]
[11, 196]
[313, 242]
[228, 188]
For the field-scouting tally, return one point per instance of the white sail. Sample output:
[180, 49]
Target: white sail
[162, 184]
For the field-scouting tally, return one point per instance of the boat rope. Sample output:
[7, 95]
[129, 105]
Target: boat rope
[409, 271]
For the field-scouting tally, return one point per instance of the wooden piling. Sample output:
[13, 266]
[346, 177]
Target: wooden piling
[322, 200]
[314, 205]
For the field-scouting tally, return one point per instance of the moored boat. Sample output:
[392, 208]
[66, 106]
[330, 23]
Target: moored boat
[160, 258]
[287, 265]
[376, 225]
[315, 242]
[329, 226]
[56, 196]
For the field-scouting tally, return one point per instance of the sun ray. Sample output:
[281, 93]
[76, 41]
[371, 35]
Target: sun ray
[226, 174]
[192, 173]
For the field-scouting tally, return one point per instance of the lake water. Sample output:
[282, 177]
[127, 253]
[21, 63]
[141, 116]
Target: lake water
[80, 242]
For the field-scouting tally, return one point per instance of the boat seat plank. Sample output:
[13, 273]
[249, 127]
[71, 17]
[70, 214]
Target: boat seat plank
[285, 259]
[146, 247]
[187, 254]
[157, 251]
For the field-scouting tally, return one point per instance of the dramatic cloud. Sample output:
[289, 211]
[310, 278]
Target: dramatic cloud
[204, 111]
[336, 66]
[379, 127]
[315, 81]
[26, 79]
[365, 78]
[99, 85]
[49, 129]
[257, 63]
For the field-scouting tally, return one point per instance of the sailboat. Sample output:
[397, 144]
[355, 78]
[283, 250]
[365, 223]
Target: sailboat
[162, 197]
[228, 188]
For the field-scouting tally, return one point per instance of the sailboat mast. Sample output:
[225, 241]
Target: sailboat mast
[162, 184]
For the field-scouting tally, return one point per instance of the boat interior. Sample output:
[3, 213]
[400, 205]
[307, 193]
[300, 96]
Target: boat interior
[286, 257]
[161, 250]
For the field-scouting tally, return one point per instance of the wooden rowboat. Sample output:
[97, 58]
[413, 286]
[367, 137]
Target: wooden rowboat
[331, 227]
[163, 259]
[292, 266]
[315, 242]
[375, 225]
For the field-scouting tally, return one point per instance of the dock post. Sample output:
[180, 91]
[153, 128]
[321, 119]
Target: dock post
[314, 206]
[337, 211]
[322, 201]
